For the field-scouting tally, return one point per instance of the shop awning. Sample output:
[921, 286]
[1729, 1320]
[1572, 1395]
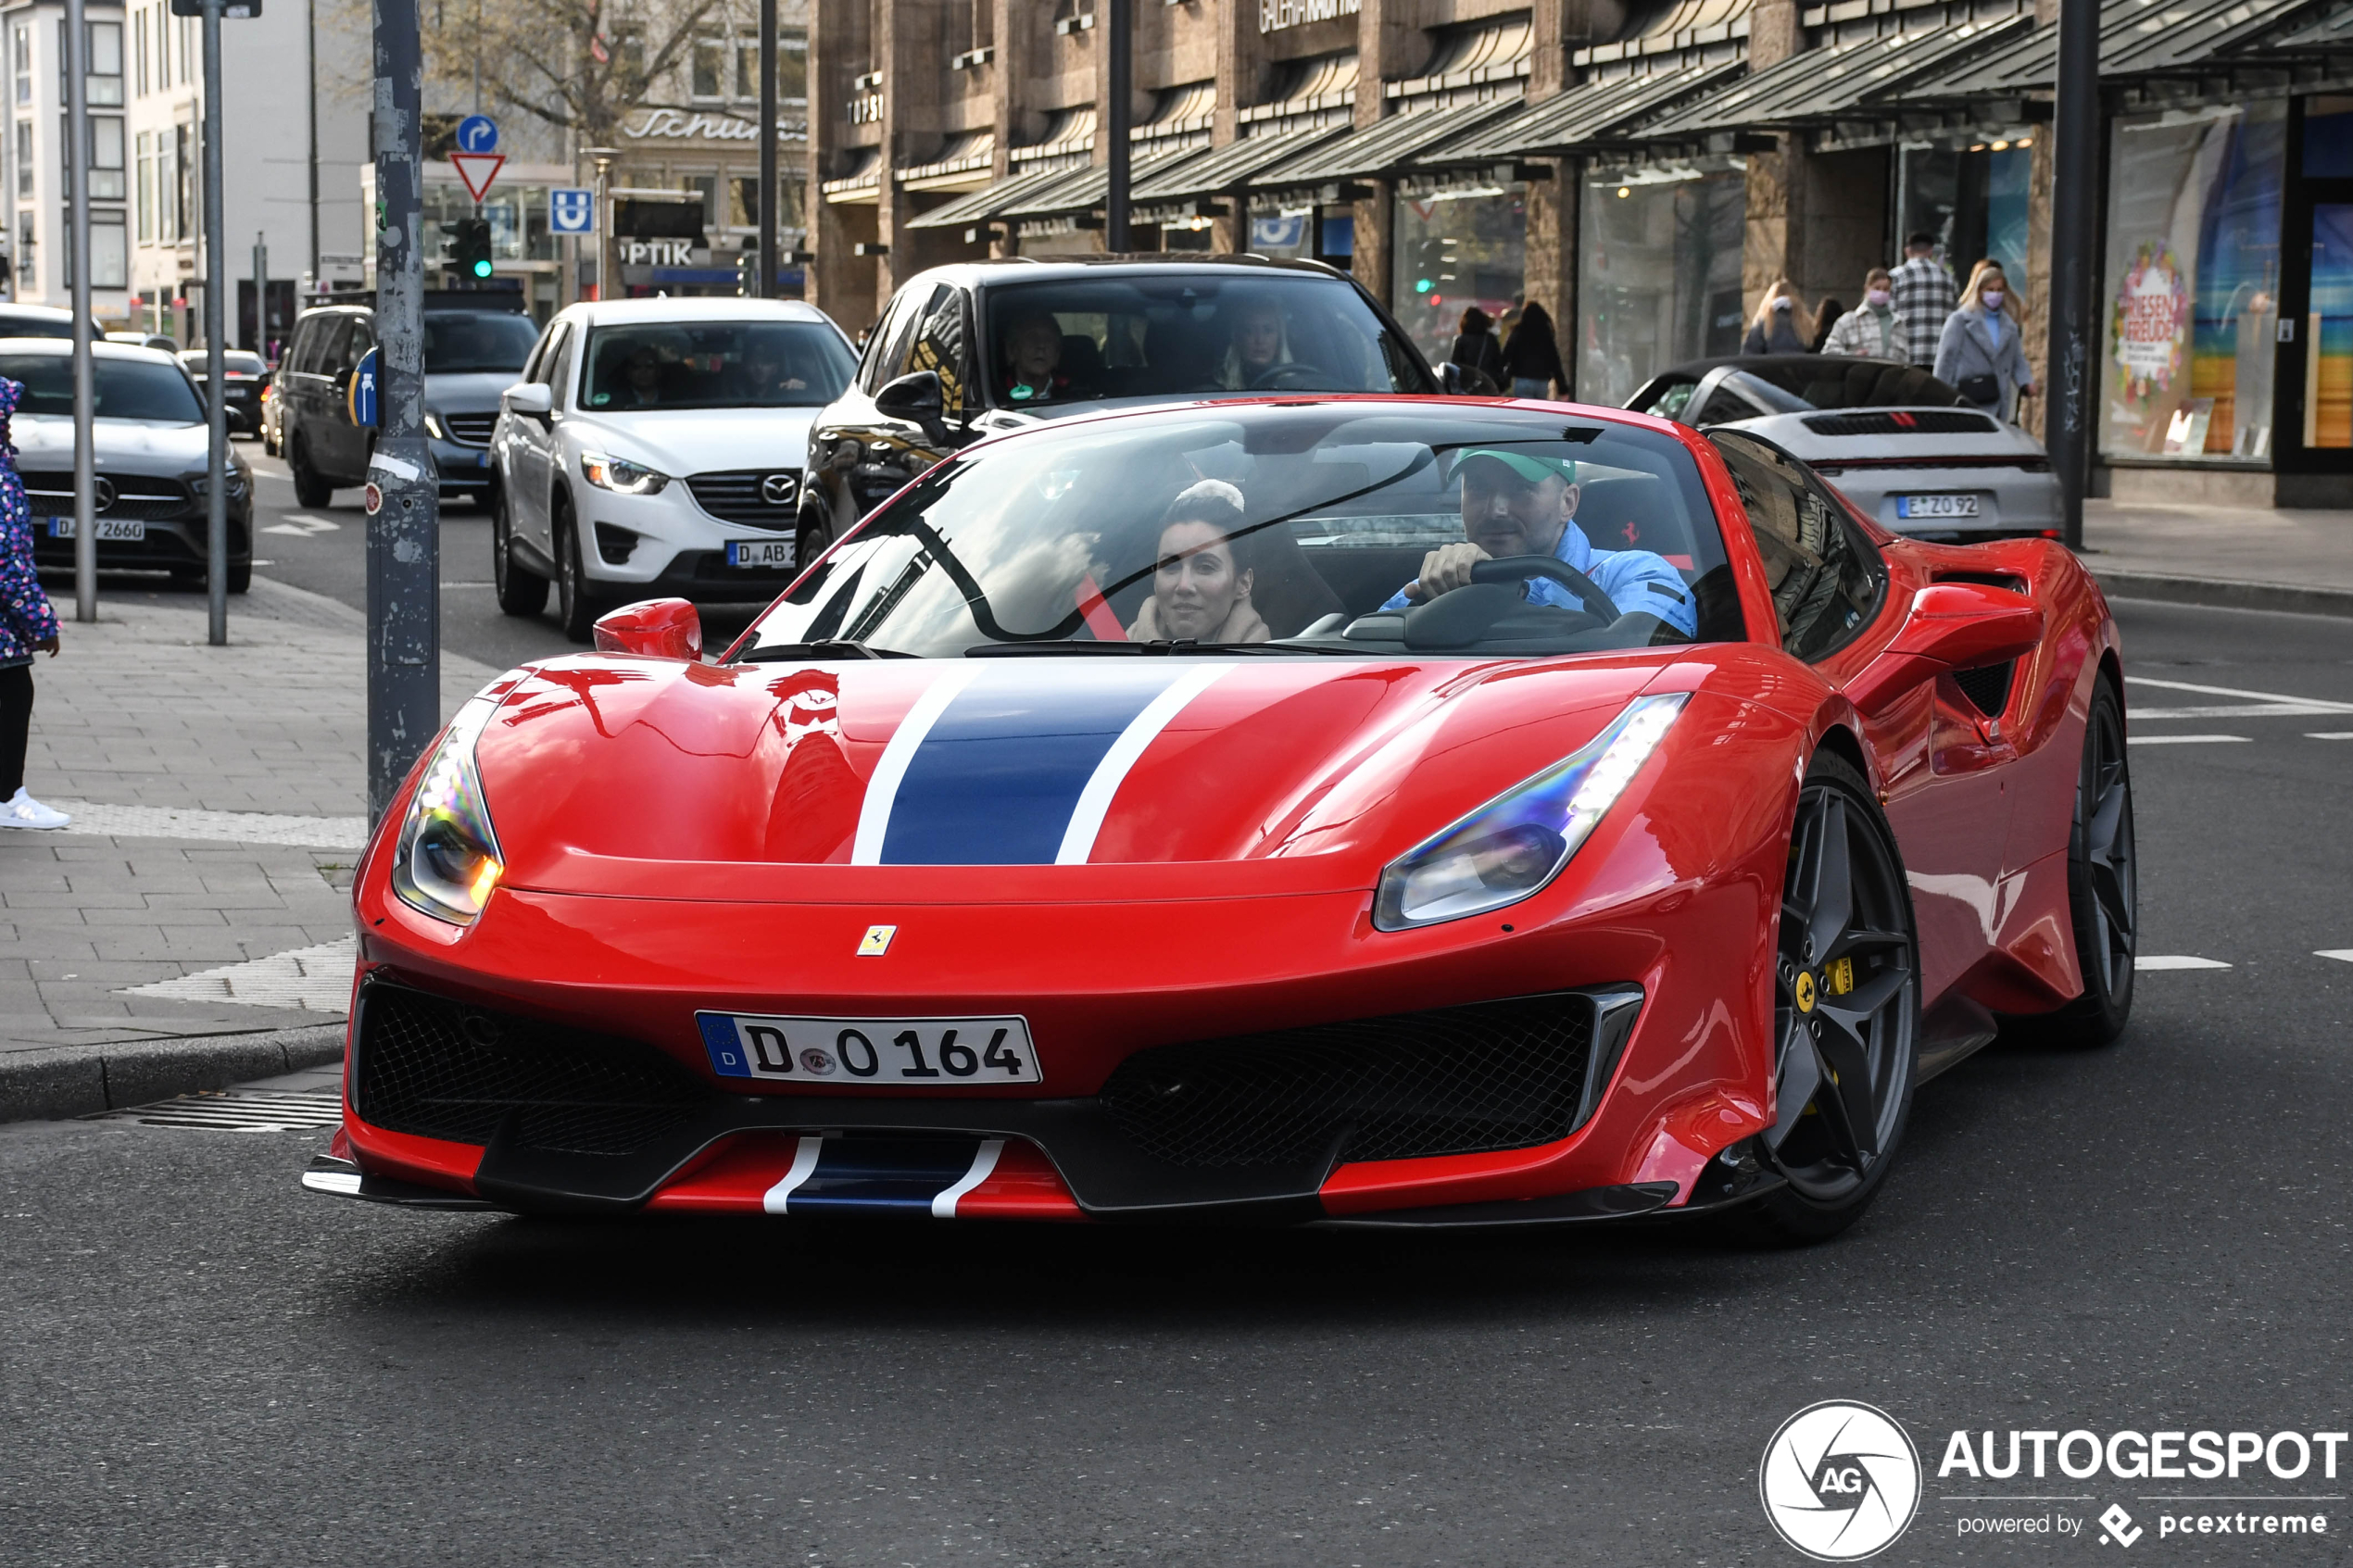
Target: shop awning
[1391, 145]
[1320, 86]
[982, 206]
[1084, 190]
[862, 184]
[1589, 116]
[1845, 82]
[1229, 167]
[1070, 133]
[1686, 26]
[2143, 38]
[1471, 56]
[2329, 34]
[962, 164]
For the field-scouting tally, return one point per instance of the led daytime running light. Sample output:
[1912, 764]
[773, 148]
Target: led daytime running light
[619, 475]
[446, 861]
[1513, 846]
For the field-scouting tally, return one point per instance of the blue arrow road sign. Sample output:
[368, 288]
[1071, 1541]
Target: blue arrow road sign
[571, 209]
[477, 133]
[363, 390]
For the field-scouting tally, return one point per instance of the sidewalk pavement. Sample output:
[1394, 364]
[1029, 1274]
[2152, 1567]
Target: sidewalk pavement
[193, 926]
[2246, 557]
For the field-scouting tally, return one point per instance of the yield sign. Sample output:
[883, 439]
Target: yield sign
[477, 169]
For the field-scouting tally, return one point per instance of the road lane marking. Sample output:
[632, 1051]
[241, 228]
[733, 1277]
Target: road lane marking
[2237, 710]
[2176, 961]
[2182, 740]
[2275, 698]
[312, 979]
[2328, 735]
[2341, 955]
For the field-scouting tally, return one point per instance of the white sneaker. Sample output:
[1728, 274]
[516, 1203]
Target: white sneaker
[22, 810]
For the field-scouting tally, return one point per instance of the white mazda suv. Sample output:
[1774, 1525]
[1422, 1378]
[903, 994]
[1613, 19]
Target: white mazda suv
[654, 449]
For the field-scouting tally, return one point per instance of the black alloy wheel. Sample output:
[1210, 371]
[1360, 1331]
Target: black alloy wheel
[311, 489]
[521, 590]
[2103, 886]
[576, 605]
[1845, 1012]
[810, 542]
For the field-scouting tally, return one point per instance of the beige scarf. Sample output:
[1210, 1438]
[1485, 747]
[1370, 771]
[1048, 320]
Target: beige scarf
[1242, 625]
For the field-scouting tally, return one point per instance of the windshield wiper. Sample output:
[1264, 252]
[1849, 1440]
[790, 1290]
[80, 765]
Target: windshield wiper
[1053, 648]
[825, 648]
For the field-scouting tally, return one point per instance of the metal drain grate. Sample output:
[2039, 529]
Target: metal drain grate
[238, 1110]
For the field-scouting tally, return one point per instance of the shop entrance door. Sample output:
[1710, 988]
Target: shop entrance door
[2315, 430]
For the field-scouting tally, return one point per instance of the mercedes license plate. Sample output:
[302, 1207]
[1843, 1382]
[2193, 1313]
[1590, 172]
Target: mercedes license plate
[906, 1053]
[127, 528]
[760, 552]
[1935, 505]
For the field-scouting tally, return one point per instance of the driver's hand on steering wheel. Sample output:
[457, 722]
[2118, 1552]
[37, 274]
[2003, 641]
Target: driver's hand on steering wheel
[1444, 570]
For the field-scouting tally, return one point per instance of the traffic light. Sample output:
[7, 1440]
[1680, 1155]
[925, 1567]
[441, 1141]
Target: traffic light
[747, 273]
[471, 243]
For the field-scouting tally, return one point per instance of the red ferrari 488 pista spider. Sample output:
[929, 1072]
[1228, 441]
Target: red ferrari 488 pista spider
[1391, 812]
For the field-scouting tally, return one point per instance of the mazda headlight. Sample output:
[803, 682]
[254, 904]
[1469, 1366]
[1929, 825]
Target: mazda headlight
[447, 859]
[1516, 844]
[619, 475]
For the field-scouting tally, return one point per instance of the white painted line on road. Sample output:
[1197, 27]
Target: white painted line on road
[2175, 960]
[223, 827]
[2328, 735]
[2280, 698]
[2341, 955]
[313, 979]
[2227, 711]
[303, 527]
[2183, 740]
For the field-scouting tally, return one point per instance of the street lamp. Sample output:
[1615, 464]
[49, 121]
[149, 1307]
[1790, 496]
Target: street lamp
[604, 159]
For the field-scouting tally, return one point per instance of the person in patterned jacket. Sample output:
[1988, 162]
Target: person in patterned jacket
[27, 626]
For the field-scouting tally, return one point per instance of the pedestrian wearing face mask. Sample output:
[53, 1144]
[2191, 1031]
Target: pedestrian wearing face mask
[1782, 325]
[1873, 330]
[1981, 353]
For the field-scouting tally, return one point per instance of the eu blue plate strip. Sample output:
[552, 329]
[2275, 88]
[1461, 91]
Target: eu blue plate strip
[720, 1043]
[996, 781]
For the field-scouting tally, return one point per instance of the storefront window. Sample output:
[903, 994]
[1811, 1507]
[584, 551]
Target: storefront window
[1456, 249]
[1658, 278]
[2192, 283]
[1970, 196]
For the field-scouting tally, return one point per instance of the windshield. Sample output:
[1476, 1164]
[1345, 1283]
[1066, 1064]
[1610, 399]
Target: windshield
[460, 341]
[715, 365]
[12, 325]
[126, 389]
[1173, 335]
[1298, 527]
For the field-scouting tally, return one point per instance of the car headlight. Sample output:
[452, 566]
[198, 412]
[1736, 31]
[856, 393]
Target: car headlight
[1513, 846]
[447, 859]
[619, 475]
[434, 428]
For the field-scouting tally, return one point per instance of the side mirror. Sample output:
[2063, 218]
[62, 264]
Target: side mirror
[917, 398]
[1950, 626]
[656, 628]
[529, 399]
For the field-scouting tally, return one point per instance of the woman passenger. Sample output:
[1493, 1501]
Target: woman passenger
[1201, 590]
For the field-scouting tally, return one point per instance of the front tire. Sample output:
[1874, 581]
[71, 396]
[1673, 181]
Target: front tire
[1847, 1012]
[311, 489]
[521, 590]
[575, 601]
[2103, 886]
[815, 535]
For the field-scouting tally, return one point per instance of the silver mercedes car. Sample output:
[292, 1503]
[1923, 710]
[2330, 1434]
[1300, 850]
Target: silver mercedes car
[1907, 449]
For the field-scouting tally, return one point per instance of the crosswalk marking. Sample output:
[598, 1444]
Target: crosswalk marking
[2273, 699]
[2176, 961]
[2343, 955]
[313, 979]
[2182, 740]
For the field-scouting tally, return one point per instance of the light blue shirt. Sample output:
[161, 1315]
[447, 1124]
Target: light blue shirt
[1636, 581]
[1992, 325]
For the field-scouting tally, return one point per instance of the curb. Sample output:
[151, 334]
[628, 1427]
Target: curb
[2223, 593]
[55, 1083]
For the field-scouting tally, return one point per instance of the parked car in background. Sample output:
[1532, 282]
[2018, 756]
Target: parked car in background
[152, 442]
[244, 373]
[471, 357]
[145, 340]
[653, 447]
[1907, 449]
[971, 350]
[40, 321]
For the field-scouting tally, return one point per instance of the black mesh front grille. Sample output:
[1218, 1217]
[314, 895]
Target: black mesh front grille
[1901, 421]
[744, 495]
[1489, 1076]
[1987, 686]
[441, 1069]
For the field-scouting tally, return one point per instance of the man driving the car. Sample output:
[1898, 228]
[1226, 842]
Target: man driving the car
[1519, 504]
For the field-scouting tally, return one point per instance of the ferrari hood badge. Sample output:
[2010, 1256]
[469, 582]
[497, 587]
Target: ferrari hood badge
[876, 942]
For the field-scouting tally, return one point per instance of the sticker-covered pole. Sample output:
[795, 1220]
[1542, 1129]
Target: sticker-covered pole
[404, 514]
[216, 335]
[766, 213]
[86, 402]
[2075, 173]
[1119, 57]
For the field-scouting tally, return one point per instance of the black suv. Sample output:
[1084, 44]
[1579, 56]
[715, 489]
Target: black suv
[970, 350]
[471, 355]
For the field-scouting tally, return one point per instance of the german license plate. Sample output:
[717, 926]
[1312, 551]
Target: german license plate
[903, 1053]
[760, 552]
[122, 528]
[1935, 505]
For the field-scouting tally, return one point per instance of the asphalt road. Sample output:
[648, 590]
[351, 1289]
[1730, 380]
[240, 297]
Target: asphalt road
[201, 1365]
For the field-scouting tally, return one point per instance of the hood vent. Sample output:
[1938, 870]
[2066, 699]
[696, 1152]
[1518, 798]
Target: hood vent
[1987, 686]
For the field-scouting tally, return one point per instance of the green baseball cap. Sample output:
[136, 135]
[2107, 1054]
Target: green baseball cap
[1532, 468]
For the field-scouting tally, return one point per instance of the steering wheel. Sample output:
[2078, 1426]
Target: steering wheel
[1295, 376]
[1517, 569]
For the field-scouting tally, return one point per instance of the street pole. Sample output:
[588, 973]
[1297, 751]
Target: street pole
[216, 330]
[2075, 172]
[404, 512]
[603, 158]
[1121, 53]
[85, 398]
[260, 343]
[766, 217]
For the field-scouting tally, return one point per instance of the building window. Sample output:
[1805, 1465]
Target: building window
[146, 204]
[792, 67]
[2192, 290]
[139, 54]
[183, 172]
[20, 47]
[1456, 250]
[106, 158]
[24, 157]
[109, 258]
[707, 81]
[27, 258]
[104, 83]
[1658, 277]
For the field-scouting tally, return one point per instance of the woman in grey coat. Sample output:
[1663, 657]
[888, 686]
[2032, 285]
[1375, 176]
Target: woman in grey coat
[1982, 351]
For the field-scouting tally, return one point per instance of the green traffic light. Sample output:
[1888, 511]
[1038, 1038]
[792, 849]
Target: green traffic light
[1422, 286]
[482, 267]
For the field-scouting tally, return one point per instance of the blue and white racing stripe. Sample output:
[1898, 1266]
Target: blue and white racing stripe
[912, 1175]
[1014, 762]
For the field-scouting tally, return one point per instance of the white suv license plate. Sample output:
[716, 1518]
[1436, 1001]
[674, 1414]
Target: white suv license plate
[760, 552]
[906, 1053]
[130, 529]
[1935, 505]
